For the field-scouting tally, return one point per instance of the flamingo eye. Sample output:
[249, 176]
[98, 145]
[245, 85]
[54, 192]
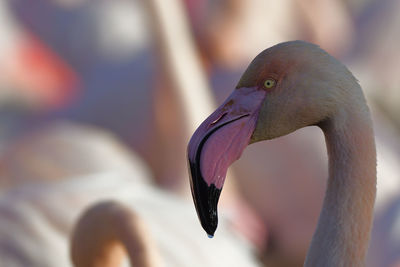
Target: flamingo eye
[269, 83]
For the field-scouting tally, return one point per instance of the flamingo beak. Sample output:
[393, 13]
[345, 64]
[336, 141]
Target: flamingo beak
[215, 145]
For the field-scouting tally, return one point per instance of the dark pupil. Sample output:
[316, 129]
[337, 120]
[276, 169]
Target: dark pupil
[268, 83]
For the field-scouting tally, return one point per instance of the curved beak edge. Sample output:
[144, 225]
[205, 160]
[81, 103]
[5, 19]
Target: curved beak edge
[215, 145]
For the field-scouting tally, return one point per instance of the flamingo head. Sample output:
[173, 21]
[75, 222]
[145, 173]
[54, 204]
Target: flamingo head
[286, 87]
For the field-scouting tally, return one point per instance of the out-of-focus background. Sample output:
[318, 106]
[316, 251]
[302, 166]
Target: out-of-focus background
[94, 90]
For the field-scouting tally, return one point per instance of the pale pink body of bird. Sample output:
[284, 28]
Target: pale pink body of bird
[68, 171]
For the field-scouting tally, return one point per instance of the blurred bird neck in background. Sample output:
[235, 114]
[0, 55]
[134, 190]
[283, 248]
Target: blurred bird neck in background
[108, 231]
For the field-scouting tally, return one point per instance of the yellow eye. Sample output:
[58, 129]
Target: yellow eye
[269, 83]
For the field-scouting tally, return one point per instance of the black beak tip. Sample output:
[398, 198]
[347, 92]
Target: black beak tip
[207, 209]
[205, 198]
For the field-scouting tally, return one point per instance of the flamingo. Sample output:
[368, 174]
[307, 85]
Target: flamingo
[286, 87]
[38, 216]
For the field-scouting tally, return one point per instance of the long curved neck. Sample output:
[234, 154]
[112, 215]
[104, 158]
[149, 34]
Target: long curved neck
[344, 226]
[105, 233]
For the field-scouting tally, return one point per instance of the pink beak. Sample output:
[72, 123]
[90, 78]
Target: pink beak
[215, 145]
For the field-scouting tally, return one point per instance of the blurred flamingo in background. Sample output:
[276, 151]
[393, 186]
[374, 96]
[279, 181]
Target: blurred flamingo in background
[39, 216]
[41, 77]
[78, 181]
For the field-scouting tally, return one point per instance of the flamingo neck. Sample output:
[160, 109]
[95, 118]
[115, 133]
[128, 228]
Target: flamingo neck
[106, 233]
[343, 230]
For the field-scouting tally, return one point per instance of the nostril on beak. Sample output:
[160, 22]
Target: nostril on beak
[218, 119]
